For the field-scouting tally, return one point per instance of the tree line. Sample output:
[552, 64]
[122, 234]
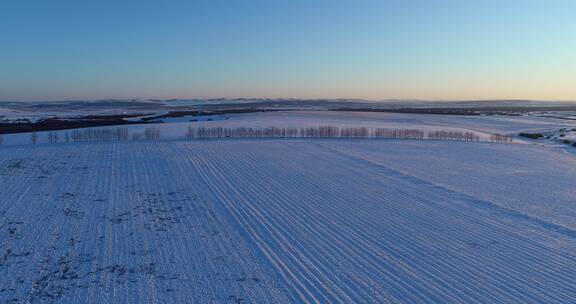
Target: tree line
[336, 132]
[92, 135]
[198, 133]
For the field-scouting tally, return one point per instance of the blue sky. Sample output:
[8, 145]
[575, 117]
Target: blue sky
[441, 49]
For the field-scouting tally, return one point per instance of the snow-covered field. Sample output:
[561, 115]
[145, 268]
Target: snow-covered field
[483, 126]
[291, 221]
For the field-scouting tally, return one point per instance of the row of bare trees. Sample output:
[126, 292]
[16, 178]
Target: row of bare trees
[83, 135]
[399, 133]
[122, 134]
[90, 135]
[500, 138]
[453, 135]
[327, 132]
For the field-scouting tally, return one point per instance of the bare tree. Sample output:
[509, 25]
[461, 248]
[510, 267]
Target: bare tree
[33, 138]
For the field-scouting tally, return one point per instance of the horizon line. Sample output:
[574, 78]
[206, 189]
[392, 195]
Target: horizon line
[294, 99]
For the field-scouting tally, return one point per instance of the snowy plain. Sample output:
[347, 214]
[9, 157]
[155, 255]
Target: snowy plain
[291, 221]
[176, 128]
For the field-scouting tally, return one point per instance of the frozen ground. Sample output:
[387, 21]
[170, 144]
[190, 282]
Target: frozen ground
[287, 221]
[291, 221]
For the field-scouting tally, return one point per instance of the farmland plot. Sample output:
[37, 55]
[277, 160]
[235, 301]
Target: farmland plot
[533, 180]
[266, 221]
[116, 223]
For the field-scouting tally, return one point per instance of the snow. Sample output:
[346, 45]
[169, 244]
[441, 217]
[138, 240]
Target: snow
[102, 222]
[176, 128]
[537, 181]
[290, 221]
[196, 118]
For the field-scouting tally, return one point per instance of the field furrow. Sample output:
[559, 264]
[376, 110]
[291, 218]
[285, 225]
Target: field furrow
[339, 229]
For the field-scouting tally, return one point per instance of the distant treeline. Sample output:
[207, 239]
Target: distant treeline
[335, 132]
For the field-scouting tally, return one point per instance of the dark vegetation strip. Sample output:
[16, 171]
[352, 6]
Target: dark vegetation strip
[53, 124]
[465, 111]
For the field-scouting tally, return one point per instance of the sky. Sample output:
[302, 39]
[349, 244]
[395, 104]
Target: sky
[369, 49]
